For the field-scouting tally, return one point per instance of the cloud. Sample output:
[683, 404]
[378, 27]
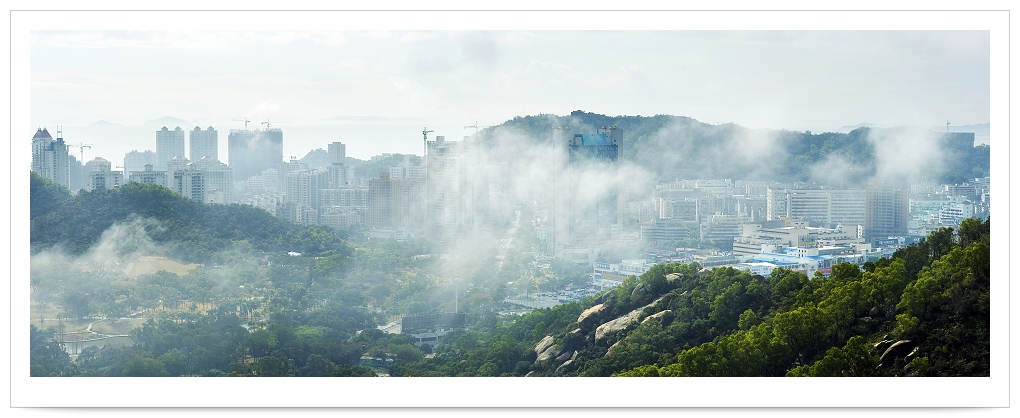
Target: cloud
[902, 154]
[352, 65]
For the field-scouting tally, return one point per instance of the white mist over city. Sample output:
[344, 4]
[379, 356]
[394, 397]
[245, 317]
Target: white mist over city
[569, 202]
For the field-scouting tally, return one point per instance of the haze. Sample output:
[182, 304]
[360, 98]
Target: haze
[375, 91]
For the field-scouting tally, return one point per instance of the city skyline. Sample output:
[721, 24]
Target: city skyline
[449, 80]
[376, 90]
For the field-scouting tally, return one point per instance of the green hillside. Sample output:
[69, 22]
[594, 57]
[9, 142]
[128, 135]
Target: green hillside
[925, 312]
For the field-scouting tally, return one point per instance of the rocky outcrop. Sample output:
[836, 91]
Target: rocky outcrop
[546, 354]
[589, 317]
[559, 370]
[565, 355]
[544, 344]
[610, 350]
[672, 277]
[622, 322]
[882, 345]
[639, 291]
[603, 298]
[656, 315]
[899, 349]
[566, 365]
[616, 325]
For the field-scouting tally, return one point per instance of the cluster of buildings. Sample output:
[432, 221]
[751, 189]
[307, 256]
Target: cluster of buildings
[454, 189]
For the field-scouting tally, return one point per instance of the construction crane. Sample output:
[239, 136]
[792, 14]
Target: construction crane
[476, 127]
[245, 120]
[267, 123]
[81, 146]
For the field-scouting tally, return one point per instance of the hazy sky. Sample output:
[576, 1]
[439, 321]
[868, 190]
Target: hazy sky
[331, 85]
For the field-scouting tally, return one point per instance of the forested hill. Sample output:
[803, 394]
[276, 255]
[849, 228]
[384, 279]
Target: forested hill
[674, 147]
[187, 230]
[925, 312]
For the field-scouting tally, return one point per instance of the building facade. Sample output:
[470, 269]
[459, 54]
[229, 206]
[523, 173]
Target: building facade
[49, 157]
[137, 160]
[251, 152]
[204, 144]
[169, 144]
[888, 211]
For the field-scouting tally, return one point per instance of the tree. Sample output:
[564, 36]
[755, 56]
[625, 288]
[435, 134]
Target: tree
[47, 358]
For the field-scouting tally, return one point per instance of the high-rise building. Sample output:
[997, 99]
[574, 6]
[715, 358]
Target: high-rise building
[76, 173]
[103, 178]
[148, 176]
[169, 144]
[189, 182]
[827, 207]
[49, 157]
[337, 170]
[98, 164]
[887, 211]
[219, 181]
[137, 160]
[303, 187]
[251, 152]
[448, 205]
[593, 210]
[384, 202]
[204, 144]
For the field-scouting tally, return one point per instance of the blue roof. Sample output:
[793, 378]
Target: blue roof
[594, 139]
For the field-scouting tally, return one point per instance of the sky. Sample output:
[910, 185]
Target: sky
[377, 90]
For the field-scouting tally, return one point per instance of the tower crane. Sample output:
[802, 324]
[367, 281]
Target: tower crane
[476, 127]
[267, 123]
[81, 146]
[245, 120]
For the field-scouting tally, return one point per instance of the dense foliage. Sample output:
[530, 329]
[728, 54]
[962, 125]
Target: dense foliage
[191, 230]
[924, 312]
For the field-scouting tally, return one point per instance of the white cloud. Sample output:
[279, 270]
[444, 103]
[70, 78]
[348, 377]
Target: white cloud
[352, 65]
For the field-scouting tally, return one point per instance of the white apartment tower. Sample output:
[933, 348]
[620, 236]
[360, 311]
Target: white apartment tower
[204, 144]
[169, 144]
[49, 157]
[135, 161]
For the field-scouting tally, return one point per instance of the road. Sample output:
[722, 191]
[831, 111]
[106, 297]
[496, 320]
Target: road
[507, 242]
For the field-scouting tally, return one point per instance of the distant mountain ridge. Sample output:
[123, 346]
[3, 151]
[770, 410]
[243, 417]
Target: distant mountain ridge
[168, 121]
[980, 129]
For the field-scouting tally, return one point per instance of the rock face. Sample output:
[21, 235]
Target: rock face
[546, 354]
[672, 277]
[639, 291]
[622, 322]
[901, 348]
[559, 370]
[564, 356]
[588, 318]
[616, 325]
[656, 315]
[602, 298]
[610, 350]
[544, 344]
